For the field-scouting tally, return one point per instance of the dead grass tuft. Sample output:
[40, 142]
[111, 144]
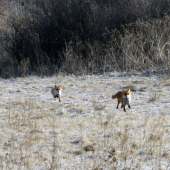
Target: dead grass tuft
[89, 148]
[131, 87]
[134, 145]
[112, 152]
[166, 155]
[154, 96]
[114, 159]
[155, 138]
[78, 152]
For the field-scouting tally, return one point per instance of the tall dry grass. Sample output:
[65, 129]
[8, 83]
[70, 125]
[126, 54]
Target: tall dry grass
[85, 130]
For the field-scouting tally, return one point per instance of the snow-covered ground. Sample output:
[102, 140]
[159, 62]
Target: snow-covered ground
[85, 131]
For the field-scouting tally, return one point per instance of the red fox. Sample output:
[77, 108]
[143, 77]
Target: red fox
[56, 92]
[123, 97]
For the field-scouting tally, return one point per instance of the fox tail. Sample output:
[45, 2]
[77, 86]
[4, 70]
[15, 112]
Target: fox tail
[114, 96]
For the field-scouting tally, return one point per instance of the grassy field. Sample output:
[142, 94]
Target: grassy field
[85, 131]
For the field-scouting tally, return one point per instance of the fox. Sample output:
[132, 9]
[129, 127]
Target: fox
[56, 92]
[123, 97]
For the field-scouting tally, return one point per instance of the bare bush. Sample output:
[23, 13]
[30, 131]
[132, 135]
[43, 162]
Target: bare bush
[83, 37]
[145, 46]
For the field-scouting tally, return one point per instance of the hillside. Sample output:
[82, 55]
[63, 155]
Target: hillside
[81, 37]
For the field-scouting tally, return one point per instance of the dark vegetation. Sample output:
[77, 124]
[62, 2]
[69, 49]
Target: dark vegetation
[44, 37]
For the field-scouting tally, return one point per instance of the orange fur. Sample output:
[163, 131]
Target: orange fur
[121, 96]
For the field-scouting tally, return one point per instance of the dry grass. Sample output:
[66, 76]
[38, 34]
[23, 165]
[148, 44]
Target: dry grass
[155, 96]
[85, 130]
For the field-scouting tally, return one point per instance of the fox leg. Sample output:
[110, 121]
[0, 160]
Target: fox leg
[118, 104]
[124, 108]
[59, 99]
[129, 106]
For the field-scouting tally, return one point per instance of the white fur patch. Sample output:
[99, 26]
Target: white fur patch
[60, 92]
[127, 99]
[55, 92]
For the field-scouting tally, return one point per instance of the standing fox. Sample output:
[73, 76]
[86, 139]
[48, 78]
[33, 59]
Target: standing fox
[123, 97]
[56, 92]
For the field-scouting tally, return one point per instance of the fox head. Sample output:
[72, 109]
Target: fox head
[126, 97]
[126, 92]
[57, 88]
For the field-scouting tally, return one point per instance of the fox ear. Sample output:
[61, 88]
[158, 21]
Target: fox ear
[55, 86]
[129, 90]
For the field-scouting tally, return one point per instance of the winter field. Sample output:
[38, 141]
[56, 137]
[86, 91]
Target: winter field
[85, 131]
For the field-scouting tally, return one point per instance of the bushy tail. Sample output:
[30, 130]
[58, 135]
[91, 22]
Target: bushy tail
[114, 96]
